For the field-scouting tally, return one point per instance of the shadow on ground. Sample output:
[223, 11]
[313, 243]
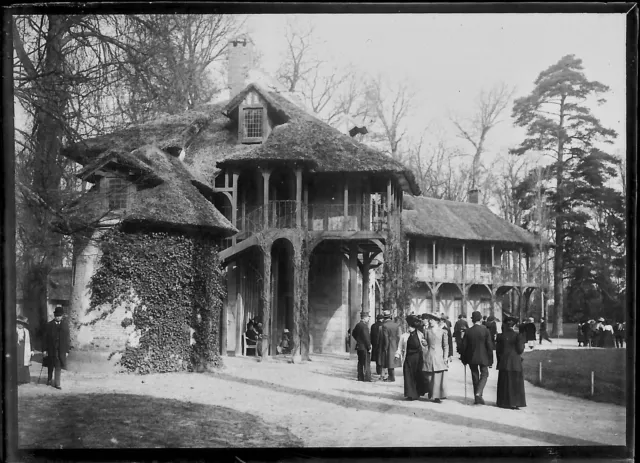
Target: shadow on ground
[131, 421]
[406, 409]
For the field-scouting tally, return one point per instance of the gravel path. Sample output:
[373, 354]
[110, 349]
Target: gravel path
[321, 403]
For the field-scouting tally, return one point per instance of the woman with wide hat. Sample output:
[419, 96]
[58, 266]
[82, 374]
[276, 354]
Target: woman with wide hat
[409, 352]
[509, 349]
[435, 358]
[24, 349]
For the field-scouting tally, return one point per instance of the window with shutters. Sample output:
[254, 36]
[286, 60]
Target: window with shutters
[117, 193]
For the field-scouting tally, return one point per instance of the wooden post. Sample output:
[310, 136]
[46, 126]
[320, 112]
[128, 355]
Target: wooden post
[240, 282]
[593, 381]
[305, 201]
[345, 223]
[266, 300]
[265, 197]
[353, 287]
[304, 308]
[298, 198]
[540, 373]
[389, 196]
[366, 261]
[464, 264]
[234, 205]
[297, 296]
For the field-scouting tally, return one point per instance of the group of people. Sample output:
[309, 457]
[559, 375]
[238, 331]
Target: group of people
[254, 334]
[425, 352]
[592, 333]
[56, 348]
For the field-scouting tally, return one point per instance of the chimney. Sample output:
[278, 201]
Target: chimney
[241, 59]
[474, 195]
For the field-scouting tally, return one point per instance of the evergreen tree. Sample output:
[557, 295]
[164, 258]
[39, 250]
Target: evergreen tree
[560, 124]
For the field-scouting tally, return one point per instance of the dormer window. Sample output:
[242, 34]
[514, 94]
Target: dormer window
[117, 192]
[253, 123]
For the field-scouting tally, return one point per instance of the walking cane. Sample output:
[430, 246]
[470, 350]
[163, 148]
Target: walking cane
[42, 368]
[465, 384]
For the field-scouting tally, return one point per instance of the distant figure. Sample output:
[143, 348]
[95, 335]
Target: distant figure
[347, 340]
[253, 337]
[285, 345]
[375, 342]
[607, 336]
[597, 332]
[391, 333]
[484, 320]
[580, 335]
[258, 328]
[442, 323]
[543, 331]
[24, 353]
[57, 345]
[619, 334]
[436, 358]
[477, 352]
[509, 348]
[363, 347]
[493, 329]
[530, 332]
[410, 354]
[458, 330]
[587, 330]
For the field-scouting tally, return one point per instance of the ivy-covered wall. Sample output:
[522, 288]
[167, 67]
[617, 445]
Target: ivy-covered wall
[173, 286]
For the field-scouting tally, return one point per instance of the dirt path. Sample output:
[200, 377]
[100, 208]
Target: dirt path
[321, 403]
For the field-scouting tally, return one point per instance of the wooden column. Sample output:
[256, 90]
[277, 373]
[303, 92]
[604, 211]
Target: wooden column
[464, 263]
[492, 256]
[298, 198]
[353, 287]
[296, 329]
[434, 288]
[345, 223]
[234, 205]
[265, 197]
[434, 263]
[304, 307]
[266, 300]
[240, 281]
[366, 262]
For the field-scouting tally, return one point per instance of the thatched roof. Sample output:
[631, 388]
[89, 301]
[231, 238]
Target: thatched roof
[208, 137]
[453, 220]
[112, 159]
[59, 284]
[176, 201]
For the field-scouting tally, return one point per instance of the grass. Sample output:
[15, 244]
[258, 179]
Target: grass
[135, 421]
[569, 371]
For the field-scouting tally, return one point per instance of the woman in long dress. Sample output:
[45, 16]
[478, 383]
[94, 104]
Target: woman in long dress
[607, 335]
[509, 348]
[24, 350]
[436, 358]
[410, 353]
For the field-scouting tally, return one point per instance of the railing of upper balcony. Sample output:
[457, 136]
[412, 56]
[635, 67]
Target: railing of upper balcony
[314, 217]
[474, 273]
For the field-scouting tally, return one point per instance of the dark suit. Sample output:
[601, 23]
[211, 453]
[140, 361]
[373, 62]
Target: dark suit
[375, 342]
[57, 345]
[390, 337]
[458, 332]
[477, 352]
[363, 346]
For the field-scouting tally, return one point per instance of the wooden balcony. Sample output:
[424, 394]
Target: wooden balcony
[476, 273]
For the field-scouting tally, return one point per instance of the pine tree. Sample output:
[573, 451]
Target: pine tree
[560, 124]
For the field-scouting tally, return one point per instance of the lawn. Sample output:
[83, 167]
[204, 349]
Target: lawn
[129, 421]
[569, 371]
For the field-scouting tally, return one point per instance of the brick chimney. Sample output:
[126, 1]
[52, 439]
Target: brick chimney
[474, 196]
[241, 59]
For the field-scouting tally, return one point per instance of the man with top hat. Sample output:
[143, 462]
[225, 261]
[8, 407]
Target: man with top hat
[390, 337]
[375, 341]
[57, 345]
[363, 347]
[477, 352]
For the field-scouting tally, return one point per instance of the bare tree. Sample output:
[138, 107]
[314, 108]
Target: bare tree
[388, 106]
[490, 104]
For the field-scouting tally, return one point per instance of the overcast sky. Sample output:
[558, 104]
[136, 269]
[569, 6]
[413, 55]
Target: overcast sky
[449, 58]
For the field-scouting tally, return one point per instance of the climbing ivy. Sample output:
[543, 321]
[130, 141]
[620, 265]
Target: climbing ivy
[398, 274]
[172, 283]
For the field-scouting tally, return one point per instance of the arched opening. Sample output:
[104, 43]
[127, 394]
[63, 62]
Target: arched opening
[449, 301]
[421, 300]
[282, 281]
[480, 299]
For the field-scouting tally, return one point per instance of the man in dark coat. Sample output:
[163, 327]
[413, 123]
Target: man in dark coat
[375, 341]
[57, 345]
[587, 334]
[458, 330]
[619, 333]
[390, 337]
[493, 329]
[543, 331]
[363, 347]
[477, 352]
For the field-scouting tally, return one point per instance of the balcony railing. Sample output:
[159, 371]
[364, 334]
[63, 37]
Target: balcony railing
[474, 273]
[315, 217]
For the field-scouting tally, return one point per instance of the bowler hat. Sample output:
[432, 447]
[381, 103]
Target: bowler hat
[379, 317]
[22, 320]
[59, 311]
[364, 314]
[386, 313]
[476, 316]
[510, 320]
